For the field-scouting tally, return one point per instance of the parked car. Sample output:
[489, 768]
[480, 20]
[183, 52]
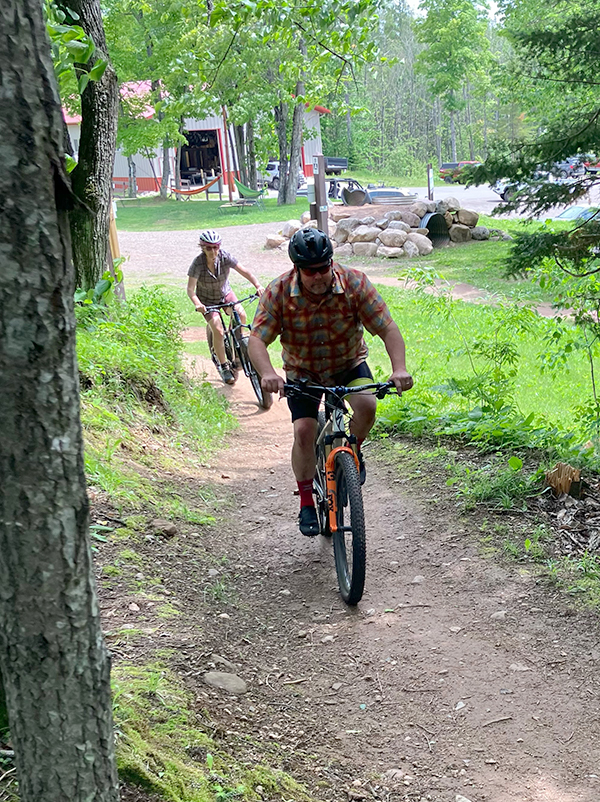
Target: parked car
[452, 172]
[508, 189]
[569, 168]
[579, 213]
[334, 165]
[591, 163]
[272, 175]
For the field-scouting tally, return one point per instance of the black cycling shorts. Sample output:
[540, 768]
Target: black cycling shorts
[301, 406]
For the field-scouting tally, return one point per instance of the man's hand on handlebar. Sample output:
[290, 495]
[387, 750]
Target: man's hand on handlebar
[272, 383]
[402, 380]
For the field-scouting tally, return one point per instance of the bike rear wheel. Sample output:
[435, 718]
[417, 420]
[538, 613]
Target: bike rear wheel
[265, 400]
[349, 540]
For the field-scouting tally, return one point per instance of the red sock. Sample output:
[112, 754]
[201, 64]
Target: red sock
[359, 442]
[306, 493]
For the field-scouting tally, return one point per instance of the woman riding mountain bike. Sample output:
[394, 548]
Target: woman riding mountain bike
[208, 285]
[319, 310]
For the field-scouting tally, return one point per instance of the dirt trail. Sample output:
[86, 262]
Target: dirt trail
[455, 675]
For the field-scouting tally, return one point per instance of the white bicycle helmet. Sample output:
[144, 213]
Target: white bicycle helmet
[210, 236]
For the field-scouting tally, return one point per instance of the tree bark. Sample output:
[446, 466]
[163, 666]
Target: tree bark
[240, 146]
[281, 115]
[92, 178]
[291, 184]
[252, 174]
[53, 660]
[132, 178]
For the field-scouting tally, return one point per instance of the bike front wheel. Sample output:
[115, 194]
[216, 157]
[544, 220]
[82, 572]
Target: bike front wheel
[349, 539]
[265, 400]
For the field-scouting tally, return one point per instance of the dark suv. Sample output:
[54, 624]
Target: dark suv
[569, 167]
[451, 172]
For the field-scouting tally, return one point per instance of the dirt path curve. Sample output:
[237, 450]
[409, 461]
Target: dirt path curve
[456, 676]
[165, 256]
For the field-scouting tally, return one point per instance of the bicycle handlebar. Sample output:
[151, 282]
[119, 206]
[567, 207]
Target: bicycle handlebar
[215, 307]
[301, 388]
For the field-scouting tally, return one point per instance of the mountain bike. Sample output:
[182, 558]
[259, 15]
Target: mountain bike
[337, 486]
[236, 335]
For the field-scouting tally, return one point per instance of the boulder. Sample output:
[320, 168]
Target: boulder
[383, 223]
[480, 232]
[410, 249]
[449, 204]
[419, 208]
[430, 204]
[274, 241]
[304, 218]
[448, 218]
[392, 237]
[390, 253]
[310, 224]
[368, 221]
[400, 225]
[460, 233]
[467, 217]
[365, 249]
[289, 229]
[423, 231]
[413, 220]
[424, 244]
[162, 527]
[343, 250]
[364, 234]
[344, 227]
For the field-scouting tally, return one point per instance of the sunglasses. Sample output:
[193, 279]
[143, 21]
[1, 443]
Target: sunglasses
[312, 271]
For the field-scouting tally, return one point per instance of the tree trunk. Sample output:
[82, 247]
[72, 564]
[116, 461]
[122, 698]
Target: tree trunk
[166, 169]
[240, 146]
[53, 659]
[438, 130]
[467, 96]
[291, 185]
[132, 177]
[252, 174]
[92, 178]
[281, 115]
[453, 134]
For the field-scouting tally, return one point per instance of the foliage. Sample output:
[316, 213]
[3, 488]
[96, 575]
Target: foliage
[72, 50]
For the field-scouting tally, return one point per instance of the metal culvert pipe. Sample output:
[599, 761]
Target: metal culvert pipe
[437, 228]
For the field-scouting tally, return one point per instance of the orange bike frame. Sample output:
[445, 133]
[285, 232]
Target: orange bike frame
[332, 486]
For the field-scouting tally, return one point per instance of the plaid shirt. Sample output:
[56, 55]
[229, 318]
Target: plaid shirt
[211, 288]
[321, 336]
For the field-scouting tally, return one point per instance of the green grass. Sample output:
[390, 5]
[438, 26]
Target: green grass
[436, 352]
[154, 214]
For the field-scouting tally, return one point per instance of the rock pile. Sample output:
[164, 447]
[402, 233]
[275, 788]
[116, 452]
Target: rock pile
[394, 233]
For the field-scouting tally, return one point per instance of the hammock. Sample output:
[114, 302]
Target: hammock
[195, 191]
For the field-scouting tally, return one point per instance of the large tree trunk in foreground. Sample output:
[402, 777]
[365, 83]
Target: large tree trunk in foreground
[92, 178]
[53, 661]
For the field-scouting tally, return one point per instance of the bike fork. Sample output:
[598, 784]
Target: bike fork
[331, 484]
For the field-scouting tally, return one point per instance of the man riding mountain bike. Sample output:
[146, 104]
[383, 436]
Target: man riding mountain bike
[319, 310]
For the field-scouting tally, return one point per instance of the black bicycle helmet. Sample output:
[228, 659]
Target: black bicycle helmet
[310, 246]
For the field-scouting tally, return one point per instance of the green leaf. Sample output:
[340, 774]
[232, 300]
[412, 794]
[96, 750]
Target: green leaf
[98, 69]
[83, 82]
[77, 50]
[70, 163]
[516, 463]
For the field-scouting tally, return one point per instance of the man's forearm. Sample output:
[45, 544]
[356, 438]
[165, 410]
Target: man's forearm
[394, 345]
[259, 355]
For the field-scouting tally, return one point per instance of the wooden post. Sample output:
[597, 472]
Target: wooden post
[321, 193]
[227, 168]
[430, 181]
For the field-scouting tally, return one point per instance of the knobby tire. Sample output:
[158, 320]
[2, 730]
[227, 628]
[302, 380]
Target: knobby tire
[265, 400]
[350, 512]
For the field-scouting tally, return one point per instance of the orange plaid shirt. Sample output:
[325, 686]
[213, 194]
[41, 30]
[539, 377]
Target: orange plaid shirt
[321, 336]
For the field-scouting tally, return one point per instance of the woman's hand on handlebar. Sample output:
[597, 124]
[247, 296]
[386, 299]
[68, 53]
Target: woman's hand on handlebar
[272, 383]
[402, 380]
[259, 290]
[200, 308]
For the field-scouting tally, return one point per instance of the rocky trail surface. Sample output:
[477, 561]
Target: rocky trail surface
[456, 678]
